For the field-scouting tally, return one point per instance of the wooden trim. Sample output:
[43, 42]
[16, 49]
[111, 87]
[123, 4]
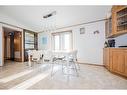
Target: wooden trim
[91, 64]
[29, 31]
[2, 47]
[22, 46]
[14, 26]
[125, 77]
[82, 23]
[55, 33]
[79, 24]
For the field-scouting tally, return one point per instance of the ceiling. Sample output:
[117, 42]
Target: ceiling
[32, 16]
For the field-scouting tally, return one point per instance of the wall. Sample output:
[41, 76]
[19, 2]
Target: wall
[0, 45]
[121, 40]
[89, 45]
[7, 19]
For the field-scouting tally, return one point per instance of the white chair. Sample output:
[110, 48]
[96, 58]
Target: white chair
[30, 53]
[57, 59]
[73, 58]
[36, 56]
[72, 62]
[47, 57]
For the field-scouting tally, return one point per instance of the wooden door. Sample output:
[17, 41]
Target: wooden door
[18, 46]
[126, 63]
[118, 65]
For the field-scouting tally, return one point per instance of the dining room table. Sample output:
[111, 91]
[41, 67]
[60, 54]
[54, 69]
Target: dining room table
[57, 53]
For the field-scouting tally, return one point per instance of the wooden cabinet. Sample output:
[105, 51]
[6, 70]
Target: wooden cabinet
[108, 27]
[115, 60]
[113, 22]
[30, 42]
[126, 62]
[117, 8]
[118, 61]
[118, 21]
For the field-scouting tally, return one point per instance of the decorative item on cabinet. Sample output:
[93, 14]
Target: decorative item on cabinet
[96, 32]
[106, 44]
[111, 42]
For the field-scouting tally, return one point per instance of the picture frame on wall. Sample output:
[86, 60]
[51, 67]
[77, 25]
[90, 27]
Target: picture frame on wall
[82, 30]
[44, 40]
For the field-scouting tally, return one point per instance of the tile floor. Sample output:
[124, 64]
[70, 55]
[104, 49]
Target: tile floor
[16, 75]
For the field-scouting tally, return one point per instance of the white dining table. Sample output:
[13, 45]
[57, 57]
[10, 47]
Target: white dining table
[54, 52]
[66, 54]
[63, 53]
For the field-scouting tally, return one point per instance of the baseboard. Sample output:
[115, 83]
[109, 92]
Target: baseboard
[0, 65]
[18, 59]
[94, 64]
[1, 62]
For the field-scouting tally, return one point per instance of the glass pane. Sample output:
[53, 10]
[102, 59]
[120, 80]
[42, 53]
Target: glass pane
[29, 40]
[29, 46]
[57, 42]
[29, 37]
[66, 42]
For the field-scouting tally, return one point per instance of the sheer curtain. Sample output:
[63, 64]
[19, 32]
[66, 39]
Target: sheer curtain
[62, 41]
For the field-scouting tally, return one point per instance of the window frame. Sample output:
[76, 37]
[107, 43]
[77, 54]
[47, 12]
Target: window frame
[61, 39]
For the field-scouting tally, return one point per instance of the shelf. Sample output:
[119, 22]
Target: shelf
[122, 24]
[118, 24]
[30, 43]
[124, 15]
[122, 30]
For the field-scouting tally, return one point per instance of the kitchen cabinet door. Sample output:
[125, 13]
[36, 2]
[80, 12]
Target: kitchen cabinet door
[118, 62]
[125, 63]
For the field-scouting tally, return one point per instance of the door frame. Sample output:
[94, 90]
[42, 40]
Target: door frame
[22, 40]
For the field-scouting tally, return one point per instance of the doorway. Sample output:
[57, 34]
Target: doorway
[12, 40]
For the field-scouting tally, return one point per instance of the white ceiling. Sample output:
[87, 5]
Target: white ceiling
[66, 15]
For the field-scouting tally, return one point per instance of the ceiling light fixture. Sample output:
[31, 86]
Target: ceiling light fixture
[49, 22]
[49, 15]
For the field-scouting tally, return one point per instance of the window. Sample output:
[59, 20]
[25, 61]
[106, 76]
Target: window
[62, 41]
[56, 42]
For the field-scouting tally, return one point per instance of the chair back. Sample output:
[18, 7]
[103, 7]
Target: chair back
[73, 55]
[47, 55]
[36, 55]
